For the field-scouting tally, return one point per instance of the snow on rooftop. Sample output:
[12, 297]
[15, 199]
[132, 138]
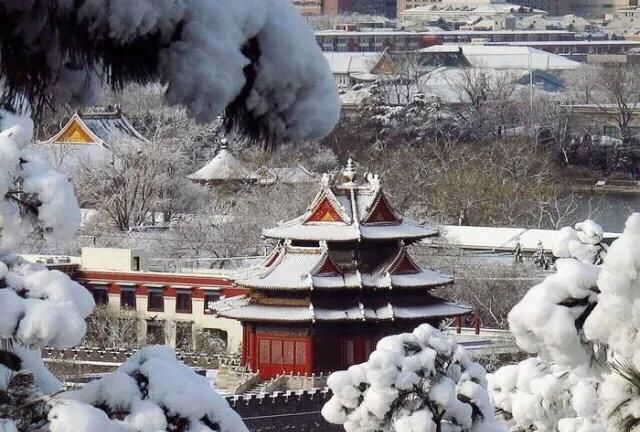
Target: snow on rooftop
[224, 166]
[351, 62]
[496, 238]
[507, 56]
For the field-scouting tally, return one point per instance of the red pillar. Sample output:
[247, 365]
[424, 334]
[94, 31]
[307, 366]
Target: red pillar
[477, 323]
[459, 324]
[310, 360]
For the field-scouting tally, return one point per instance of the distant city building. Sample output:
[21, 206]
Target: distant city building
[308, 7]
[341, 279]
[381, 40]
[600, 8]
[565, 22]
[461, 14]
[369, 7]
[553, 7]
[403, 5]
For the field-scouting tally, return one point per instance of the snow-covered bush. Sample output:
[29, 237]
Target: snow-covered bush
[537, 395]
[413, 382]
[255, 60]
[583, 324]
[151, 392]
[41, 307]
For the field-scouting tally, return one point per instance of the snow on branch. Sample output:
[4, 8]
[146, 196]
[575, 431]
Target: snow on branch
[255, 60]
[413, 382]
[152, 391]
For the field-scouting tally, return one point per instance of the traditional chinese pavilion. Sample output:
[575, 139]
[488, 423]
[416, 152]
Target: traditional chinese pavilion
[340, 279]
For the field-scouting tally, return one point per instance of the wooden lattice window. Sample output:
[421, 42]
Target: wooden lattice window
[301, 353]
[276, 352]
[265, 348]
[288, 352]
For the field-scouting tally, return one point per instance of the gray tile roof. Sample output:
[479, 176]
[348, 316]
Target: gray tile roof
[240, 308]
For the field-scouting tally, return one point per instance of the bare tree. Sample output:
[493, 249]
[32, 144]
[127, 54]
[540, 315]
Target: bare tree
[617, 96]
[112, 328]
[137, 182]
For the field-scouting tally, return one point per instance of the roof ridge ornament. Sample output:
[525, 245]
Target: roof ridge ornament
[325, 180]
[350, 171]
[374, 180]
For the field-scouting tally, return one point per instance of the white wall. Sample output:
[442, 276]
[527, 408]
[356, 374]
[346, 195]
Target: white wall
[111, 259]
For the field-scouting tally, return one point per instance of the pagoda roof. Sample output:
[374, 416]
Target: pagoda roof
[350, 211]
[308, 268]
[242, 308]
[100, 126]
[223, 167]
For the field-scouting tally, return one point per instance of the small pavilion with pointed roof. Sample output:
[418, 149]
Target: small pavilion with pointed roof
[223, 168]
[340, 279]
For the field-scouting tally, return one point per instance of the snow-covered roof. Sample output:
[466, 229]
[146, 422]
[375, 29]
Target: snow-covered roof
[351, 62]
[309, 268]
[494, 238]
[287, 175]
[99, 126]
[88, 138]
[242, 308]
[223, 167]
[353, 210]
[480, 8]
[507, 56]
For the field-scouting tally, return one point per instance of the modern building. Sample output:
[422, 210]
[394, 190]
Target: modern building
[454, 14]
[308, 7]
[576, 47]
[381, 40]
[341, 278]
[367, 7]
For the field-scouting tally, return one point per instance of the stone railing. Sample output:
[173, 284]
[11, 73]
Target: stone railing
[117, 357]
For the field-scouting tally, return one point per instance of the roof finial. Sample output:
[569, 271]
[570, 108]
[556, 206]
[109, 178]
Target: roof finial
[350, 171]
[223, 143]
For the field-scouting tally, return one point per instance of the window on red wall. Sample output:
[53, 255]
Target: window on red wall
[156, 300]
[210, 297]
[128, 298]
[100, 295]
[183, 301]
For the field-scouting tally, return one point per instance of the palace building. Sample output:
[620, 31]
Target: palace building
[340, 279]
[90, 136]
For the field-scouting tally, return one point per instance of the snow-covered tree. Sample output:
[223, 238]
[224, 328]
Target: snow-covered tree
[255, 60]
[582, 322]
[39, 307]
[413, 382]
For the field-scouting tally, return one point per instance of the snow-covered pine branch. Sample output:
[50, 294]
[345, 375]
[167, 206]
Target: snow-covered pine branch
[41, 307]
[583, 324]
[255, 60]
[150, 392]
[413, 382]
